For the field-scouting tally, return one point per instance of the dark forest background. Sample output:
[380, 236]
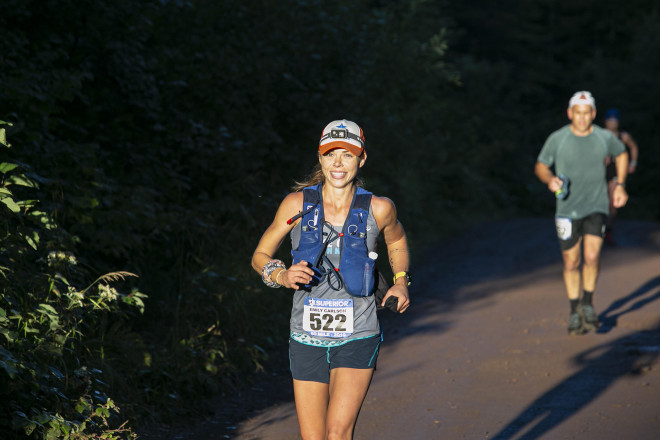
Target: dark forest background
[156, 139]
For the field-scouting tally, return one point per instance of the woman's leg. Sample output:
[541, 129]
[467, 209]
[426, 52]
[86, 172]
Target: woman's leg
[312, 407]
[348, 388]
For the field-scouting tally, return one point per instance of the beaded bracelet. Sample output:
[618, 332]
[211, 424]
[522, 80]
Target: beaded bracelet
[268, 270]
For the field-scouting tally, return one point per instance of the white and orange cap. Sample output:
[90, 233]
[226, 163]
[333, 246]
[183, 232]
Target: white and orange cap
[582, 97]
[342, 134]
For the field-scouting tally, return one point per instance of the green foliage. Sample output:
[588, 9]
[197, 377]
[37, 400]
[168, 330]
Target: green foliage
[47, 385]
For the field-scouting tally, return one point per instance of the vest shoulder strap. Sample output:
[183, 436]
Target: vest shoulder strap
[311, 195]
[311, 198]
[362, 199]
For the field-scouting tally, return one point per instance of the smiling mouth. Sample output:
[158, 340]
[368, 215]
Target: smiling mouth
[337, 174]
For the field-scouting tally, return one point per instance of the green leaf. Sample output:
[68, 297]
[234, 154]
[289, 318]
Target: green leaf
[43, 218]
[53, 433]
[9, 334]
[3, 138]
[22, 181]
[11, 204]
[28, 203]
[32, 241]
[82, 406]
[29, 428]
[6, 166]
[47, 308]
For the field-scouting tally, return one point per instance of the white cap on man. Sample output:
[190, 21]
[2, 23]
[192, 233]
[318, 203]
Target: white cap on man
[582, 97]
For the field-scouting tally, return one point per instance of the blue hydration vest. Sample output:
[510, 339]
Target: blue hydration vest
[356, 269]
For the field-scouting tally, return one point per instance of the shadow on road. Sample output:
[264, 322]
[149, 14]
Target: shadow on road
[610, 316]
[601, 366]
[487, 251]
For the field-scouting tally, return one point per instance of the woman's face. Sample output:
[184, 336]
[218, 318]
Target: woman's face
[340, 166]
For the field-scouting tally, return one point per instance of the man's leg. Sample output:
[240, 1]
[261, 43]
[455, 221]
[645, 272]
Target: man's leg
[592, 246]
[590, 270]
[572, 259]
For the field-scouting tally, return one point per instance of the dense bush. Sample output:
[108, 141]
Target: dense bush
[57, 330]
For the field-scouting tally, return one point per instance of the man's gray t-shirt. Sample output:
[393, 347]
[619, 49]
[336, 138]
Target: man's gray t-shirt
[582, 160]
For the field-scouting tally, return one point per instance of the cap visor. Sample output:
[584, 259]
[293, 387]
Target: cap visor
[340, 144]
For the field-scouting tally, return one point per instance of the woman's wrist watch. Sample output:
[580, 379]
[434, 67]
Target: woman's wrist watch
[403, 274]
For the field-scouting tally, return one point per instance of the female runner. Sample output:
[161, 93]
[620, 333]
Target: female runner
[334, 331]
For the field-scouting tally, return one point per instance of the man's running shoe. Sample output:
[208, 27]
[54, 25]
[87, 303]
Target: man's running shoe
[589, 316]
[575, 324]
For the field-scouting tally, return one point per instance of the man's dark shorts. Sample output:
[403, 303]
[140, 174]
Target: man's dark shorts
[314, 363]
[570, 230]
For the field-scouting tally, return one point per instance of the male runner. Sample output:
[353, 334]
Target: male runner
[578, 151]
[612, 117]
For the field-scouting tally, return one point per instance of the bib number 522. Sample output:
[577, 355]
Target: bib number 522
[318, 321]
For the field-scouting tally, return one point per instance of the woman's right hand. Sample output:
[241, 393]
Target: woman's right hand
[295, 276]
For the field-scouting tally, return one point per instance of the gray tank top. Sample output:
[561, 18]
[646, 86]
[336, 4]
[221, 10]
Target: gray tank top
[321, 300]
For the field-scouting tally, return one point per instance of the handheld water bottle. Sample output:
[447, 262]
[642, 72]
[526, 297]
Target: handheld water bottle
[562, 192]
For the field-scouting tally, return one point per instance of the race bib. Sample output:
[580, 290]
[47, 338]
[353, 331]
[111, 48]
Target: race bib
[330, 318]
[564, 228]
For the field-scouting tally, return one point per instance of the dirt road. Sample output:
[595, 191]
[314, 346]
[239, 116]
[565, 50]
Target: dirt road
[483, 353]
